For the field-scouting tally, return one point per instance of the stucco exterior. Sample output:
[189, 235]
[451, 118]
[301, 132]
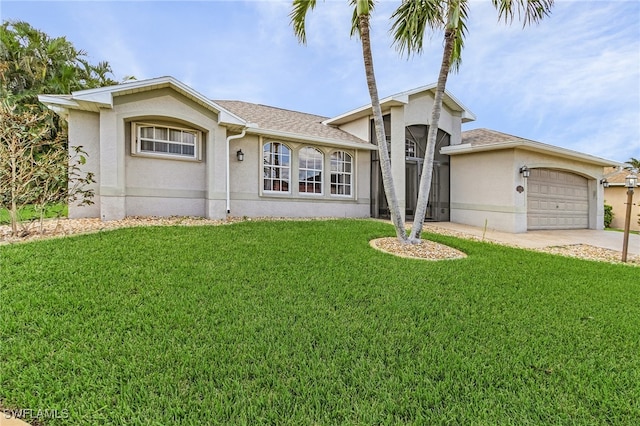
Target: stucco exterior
[488, 188]
[477, 175]
[134, 183]
[616, 197]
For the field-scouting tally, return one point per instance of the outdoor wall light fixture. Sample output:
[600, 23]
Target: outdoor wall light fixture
[631, 181]
[525, 172]
[240, 155]
[604, 183]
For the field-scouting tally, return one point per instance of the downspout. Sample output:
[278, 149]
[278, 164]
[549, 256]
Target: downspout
[229, 138]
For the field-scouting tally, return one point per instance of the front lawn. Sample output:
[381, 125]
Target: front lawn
[303, 323]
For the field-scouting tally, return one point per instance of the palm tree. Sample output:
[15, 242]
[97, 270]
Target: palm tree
[411, 20]
[634, 163]
[361, 24]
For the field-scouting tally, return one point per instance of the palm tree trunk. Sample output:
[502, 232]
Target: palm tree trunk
[385, 162]
[427, 170]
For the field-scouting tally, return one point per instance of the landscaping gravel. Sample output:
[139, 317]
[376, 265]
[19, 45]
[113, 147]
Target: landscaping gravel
[428, 250]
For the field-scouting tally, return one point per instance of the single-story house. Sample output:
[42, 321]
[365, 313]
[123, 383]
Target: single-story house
[615, 195]
[158, 147]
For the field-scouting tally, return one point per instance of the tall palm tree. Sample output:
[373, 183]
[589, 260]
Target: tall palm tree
[410, 21]
[361, 24]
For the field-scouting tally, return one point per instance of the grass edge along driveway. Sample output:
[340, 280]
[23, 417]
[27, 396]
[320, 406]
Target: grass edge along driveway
[303, 323]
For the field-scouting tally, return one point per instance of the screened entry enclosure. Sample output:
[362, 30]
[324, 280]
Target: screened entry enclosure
[415, 146]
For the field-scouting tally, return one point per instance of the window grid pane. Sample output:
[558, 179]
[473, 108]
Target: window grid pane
[167, 140]
[276, 159]
[341, 164]
[310, 164]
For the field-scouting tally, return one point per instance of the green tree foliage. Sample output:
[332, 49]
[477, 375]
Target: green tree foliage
[634, 163]
[360, 25]
[608, 215]
[35, 167]
[39, 64]
[411, 21]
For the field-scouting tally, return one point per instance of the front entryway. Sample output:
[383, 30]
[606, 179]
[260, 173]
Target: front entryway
[414, 146]
[557, 200]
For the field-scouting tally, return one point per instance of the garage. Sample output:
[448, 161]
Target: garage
[557, 200]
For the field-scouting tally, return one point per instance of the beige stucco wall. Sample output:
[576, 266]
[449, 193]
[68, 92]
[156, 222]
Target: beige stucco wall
[616, 197]
[84, 131]
[359, 128]
[484, 187]
[247, 199]
[160, 185]
[131, 184]
[419, 109]
[483, 191]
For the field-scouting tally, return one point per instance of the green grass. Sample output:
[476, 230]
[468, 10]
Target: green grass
[29, 213]
[303, 323]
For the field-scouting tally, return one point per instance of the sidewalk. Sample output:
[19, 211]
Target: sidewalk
[611, 240]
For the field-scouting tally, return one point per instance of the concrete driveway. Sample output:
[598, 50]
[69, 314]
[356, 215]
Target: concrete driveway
[611, 240]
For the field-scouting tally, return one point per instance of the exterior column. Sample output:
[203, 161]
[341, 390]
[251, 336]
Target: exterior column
[398, 156]
[112, 167]
[216, 169]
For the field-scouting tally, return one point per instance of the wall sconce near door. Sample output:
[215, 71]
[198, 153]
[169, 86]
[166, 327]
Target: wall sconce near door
[525, 172]
[604, 183]
[240, 155]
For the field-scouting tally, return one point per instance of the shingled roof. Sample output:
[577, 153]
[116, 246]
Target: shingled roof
[480, 140]
[285, 121]
[478, 137]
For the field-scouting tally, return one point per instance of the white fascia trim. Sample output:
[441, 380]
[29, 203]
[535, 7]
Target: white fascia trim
[531, 146]
[102, 97]
[58, 100]
[365, 110]
[314, 140]
[398, 99]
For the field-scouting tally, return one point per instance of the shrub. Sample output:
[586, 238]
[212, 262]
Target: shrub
[608, 215]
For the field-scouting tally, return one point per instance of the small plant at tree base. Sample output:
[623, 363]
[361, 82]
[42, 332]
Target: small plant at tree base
[608, 215]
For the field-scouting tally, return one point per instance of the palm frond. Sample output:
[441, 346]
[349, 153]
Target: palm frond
[411, 21]
[298, 17]
[460, 30]
[528, 11]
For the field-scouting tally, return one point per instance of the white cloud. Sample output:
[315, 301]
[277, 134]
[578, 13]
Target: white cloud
[573, 80]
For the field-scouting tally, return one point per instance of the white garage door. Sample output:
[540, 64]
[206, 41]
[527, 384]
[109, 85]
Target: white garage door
[557, 200]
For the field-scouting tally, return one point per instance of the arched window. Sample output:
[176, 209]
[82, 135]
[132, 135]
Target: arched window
[276, 159]
[341, 173]
[310, 173]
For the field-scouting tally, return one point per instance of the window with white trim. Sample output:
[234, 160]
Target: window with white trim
[310, 165]
[160, 140]
[341, 173]
[276, 159]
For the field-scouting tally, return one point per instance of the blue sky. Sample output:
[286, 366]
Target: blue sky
[572, 81]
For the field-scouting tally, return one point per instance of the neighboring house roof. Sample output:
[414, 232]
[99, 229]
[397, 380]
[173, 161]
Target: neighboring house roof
[402, 98]
[272, 121]
[479, 140]
[102, 97]
[616, 176]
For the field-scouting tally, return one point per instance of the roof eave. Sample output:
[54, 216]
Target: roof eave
[402, 99]
[312, 139]
[102, 97]
[529, 146]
